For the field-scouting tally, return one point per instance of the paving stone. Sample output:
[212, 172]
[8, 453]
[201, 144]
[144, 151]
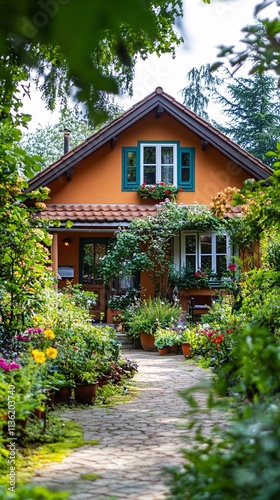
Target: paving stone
[137, 440]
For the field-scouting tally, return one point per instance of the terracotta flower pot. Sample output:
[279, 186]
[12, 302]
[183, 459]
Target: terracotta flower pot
[147, 341]
[173, 349]
[186, 349]
[86, 393]
[163, 350]
[63, 395]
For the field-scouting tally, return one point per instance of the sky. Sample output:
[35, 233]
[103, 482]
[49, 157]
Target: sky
[204, 26]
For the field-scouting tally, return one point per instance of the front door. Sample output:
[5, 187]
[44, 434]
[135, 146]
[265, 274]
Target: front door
[91, 252]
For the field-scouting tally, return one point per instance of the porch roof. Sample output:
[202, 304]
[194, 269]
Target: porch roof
[93, 214]
[105, 215]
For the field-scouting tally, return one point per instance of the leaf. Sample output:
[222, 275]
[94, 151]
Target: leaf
[262, 6]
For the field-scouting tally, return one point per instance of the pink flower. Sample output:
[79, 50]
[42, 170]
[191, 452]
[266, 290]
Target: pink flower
[7, 367]
[232, 268]
[210, 334]
[22, 338]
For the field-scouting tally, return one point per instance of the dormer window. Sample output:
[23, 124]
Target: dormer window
[155, 162]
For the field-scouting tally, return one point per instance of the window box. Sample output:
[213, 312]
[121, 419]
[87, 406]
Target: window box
[159, 191]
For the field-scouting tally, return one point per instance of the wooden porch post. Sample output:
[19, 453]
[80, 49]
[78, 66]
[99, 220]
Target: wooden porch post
[54, 253]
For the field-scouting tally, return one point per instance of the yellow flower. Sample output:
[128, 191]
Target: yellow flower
[39, 356]
[49, 334]
[51, 352]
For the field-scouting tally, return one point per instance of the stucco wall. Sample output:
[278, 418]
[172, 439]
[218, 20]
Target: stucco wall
[97, 179]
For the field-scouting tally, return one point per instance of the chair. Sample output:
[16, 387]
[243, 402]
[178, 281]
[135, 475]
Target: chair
[199, 305]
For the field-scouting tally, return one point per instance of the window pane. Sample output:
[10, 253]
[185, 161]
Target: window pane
[131, 174]
[131, 158]
[190, 263]
[150, 175]
[221, 264]
[88, 263]
[167, 155]
[206, 243]
[167, 175]
[221, 244]
[100, 251]
[92, 253]
[149, 154]
[190, 243]
[185, 174]
[206, 262]
[185, 159]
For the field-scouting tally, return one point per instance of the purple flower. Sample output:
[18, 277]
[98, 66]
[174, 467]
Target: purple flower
[34, 330]
[14, 366]
[7, 367]
[22, 338]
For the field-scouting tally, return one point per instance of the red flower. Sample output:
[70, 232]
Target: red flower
[232, 268]
[218, 340]
[197, 274]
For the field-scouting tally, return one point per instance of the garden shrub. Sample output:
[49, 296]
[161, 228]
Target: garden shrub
[241, 464]
[253, 369]
[261, 298]
[150, 315]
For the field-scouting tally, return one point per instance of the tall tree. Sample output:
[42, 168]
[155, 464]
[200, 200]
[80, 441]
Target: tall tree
[47, 141]
[81, 48]
[201, 87]
[263, 39]
[252, 113]
[250, 106]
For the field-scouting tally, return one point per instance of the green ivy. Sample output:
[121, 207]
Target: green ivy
[145, 244]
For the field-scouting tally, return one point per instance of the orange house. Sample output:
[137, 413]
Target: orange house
[95, 185]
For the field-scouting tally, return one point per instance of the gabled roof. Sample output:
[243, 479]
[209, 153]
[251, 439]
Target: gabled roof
[159, 102]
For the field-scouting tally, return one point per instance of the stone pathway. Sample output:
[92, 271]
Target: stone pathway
[137, 440]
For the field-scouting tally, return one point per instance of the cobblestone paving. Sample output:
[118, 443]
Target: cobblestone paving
[137, 440]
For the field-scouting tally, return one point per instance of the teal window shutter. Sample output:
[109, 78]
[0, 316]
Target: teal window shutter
[186, 169]
[130, 169]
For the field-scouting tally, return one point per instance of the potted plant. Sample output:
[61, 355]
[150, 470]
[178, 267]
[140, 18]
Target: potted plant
[86, 381]
[187, 335]
[151, 315]
[167, 338]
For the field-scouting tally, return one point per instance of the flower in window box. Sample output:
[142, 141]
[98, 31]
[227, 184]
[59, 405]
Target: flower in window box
[158, 191]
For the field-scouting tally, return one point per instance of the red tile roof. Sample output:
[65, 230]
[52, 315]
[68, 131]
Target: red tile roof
[97, 213]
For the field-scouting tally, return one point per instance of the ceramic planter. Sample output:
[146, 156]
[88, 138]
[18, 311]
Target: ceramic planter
[147, 341]
[162, 350]
[86, 393]
[63, 395]
[174, 349]
[186, 349]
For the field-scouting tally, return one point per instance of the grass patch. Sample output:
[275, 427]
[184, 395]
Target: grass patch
[37, 449]
[112, 394]
[90, 476]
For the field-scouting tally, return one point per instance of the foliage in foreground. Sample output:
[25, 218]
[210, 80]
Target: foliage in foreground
[241, 459]
[243, 463]
[32, 493]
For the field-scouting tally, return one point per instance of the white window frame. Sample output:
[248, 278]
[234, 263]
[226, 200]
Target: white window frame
[158, 147]
[180, 260]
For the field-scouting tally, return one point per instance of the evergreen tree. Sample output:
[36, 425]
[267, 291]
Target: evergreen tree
[250, 107]
[252, 113]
